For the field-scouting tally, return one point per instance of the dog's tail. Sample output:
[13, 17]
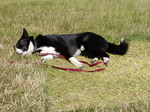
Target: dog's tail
[118, 49]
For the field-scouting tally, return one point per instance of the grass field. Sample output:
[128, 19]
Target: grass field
[123, 87]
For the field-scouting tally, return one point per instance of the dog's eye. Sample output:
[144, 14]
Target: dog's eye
[24, 49]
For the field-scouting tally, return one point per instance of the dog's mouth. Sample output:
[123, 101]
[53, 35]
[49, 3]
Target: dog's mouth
[18, 51]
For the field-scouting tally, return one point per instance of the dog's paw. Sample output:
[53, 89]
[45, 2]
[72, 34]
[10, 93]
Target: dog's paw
[106, 60]
[76, 63]
[47, 57]
[43, 60]
[79, 65]
[94, 60]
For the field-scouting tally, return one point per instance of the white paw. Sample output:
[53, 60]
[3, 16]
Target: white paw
[43, 60]
[79, 65]
[106, 60]
[47, 57]
[76, 63]
[94, 60]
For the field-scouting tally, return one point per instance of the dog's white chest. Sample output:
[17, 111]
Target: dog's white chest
[45, 49]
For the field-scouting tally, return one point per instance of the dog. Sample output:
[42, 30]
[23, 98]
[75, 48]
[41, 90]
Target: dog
[87, 44]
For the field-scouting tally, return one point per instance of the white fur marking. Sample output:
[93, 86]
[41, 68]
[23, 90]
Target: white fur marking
[30, 48]
[106, 59]
[74, 61]
[77, 52]
[48, 50]
[82, 48]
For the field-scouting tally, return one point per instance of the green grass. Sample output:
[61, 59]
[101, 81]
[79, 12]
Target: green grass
[124, 85]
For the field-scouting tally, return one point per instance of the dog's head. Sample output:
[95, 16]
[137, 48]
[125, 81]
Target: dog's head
[25, 44]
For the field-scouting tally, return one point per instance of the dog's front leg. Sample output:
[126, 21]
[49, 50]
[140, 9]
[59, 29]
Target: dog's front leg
[75, 62]
[47, 57]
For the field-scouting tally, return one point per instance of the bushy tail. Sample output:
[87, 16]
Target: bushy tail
[118, 49]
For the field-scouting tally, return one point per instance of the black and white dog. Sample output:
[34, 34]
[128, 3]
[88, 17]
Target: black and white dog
[87, 44]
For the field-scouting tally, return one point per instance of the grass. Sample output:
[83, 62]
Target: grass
[123, 86]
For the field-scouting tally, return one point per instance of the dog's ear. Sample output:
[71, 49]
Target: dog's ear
[25, 33]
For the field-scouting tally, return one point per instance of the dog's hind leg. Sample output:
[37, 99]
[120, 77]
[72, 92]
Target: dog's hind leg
[70, 56]
[96, 56]
[104, 56]
[90, 55]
